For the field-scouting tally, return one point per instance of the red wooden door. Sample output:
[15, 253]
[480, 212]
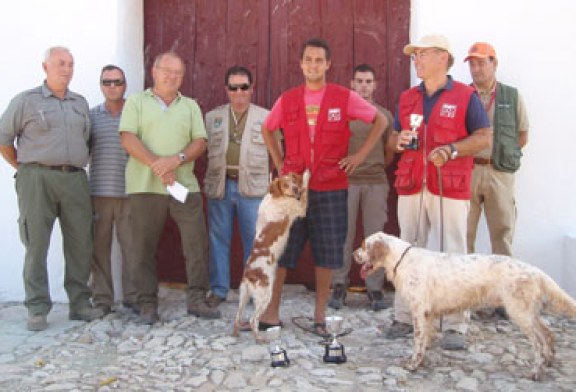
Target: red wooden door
[266, 36]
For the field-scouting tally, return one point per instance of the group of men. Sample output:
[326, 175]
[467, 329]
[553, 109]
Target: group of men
[341, 136]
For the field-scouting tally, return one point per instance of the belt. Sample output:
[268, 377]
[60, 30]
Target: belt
[62, 168]
[482, 161]
[233, 177]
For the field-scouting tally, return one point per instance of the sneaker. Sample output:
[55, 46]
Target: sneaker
[213, 300]
[149, 314]
[453, 340]
[202, 310]
[398, 330]
[87, 313]
[377, 300]
[338, 296]
[36, 322]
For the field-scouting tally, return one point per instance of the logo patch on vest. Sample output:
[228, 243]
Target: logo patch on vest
[217, 122]
[334, 114]
[448, 110]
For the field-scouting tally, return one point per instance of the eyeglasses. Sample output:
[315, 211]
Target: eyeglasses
[236, 87]
[423, 53]
[115, 82]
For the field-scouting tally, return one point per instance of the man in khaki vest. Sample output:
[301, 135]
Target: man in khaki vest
[237, 176]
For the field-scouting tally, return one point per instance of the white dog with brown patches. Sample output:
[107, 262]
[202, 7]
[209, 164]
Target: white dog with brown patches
[286, 200]
[435, 284]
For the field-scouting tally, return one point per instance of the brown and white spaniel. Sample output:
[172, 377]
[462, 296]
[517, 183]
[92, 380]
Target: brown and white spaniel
[286, 200]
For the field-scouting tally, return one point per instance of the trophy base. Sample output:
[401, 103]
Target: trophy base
[279, 359]
[334, 354]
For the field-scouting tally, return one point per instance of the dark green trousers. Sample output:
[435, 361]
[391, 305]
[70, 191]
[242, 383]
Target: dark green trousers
[45, 195]
[148, 213]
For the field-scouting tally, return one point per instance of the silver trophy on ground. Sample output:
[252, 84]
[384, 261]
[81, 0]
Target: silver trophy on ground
[278, 356]
[334, 351]
[415, 121]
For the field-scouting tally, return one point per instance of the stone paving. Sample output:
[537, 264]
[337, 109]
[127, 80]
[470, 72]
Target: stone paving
[183, 353]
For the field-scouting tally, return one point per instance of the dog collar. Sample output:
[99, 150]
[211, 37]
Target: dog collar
[401, 258]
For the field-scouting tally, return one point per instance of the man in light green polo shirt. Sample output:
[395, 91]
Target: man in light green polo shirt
[164, 134]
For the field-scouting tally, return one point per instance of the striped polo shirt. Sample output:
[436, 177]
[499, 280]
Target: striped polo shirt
[107, 157]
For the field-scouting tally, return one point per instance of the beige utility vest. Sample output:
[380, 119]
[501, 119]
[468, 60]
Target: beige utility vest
[253, 174]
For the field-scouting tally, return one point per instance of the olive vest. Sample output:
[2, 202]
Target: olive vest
[506, 152]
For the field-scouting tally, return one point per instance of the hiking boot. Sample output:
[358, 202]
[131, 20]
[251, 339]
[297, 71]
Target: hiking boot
[36, 322]
[131, 305]
[149, 314]
[398, 330]
[377, 300]
[500, 312]
[202, 310]
[86, 313]
[213, 300]
[338, 296]
[453, 340]
[106, 309]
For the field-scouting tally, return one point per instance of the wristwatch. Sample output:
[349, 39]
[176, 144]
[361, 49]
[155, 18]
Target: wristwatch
[453, 151]
[182, 157]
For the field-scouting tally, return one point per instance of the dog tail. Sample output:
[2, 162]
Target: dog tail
[557, 299]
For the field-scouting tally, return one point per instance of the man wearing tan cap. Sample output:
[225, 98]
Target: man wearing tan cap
[454, 127]
[494, 168]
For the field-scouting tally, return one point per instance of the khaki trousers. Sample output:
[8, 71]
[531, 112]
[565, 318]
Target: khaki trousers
[148, 213]
[493, 190]
[110, 212]
[419, 219]
[373, 200]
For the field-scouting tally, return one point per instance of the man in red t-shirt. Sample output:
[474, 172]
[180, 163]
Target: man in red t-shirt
[314, 119]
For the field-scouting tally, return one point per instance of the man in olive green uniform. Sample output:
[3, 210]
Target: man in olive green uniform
[51, 128]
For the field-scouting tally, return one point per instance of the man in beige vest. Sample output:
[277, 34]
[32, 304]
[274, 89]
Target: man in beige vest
[368, 191]
[237, 176]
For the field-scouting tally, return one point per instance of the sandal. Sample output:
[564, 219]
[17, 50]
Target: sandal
[264, 326]
[320, 330]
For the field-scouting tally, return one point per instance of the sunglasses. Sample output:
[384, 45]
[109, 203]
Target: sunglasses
[236, 87]
[115, 82]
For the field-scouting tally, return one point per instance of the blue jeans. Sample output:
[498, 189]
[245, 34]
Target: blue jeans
[220, 224]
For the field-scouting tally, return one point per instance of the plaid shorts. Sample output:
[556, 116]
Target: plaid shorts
[325, 224]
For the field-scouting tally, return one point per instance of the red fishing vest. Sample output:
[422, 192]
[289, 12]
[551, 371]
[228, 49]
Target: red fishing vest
[330, 141]
[447, 124]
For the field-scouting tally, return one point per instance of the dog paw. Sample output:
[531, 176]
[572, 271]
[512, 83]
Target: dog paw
[411, 365]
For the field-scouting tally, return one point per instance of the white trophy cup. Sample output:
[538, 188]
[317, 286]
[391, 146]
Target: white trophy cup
[334, 351]
[415, 122]
[278, 356]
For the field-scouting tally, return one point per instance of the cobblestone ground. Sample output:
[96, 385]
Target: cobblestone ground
[183, 353]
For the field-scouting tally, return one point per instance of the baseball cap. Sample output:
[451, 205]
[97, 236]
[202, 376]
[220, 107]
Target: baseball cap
[481, 50]
[429, 41]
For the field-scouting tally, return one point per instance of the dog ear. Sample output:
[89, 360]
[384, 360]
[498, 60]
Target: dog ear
[378, 250]
[275, 187]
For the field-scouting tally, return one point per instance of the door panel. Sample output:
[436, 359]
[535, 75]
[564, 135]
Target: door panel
[266, 36]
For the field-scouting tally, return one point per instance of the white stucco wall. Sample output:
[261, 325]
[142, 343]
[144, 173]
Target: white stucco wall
[536, 53]
[533, 41]
[97, 33]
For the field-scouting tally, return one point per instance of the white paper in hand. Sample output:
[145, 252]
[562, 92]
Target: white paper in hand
[178, 191]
